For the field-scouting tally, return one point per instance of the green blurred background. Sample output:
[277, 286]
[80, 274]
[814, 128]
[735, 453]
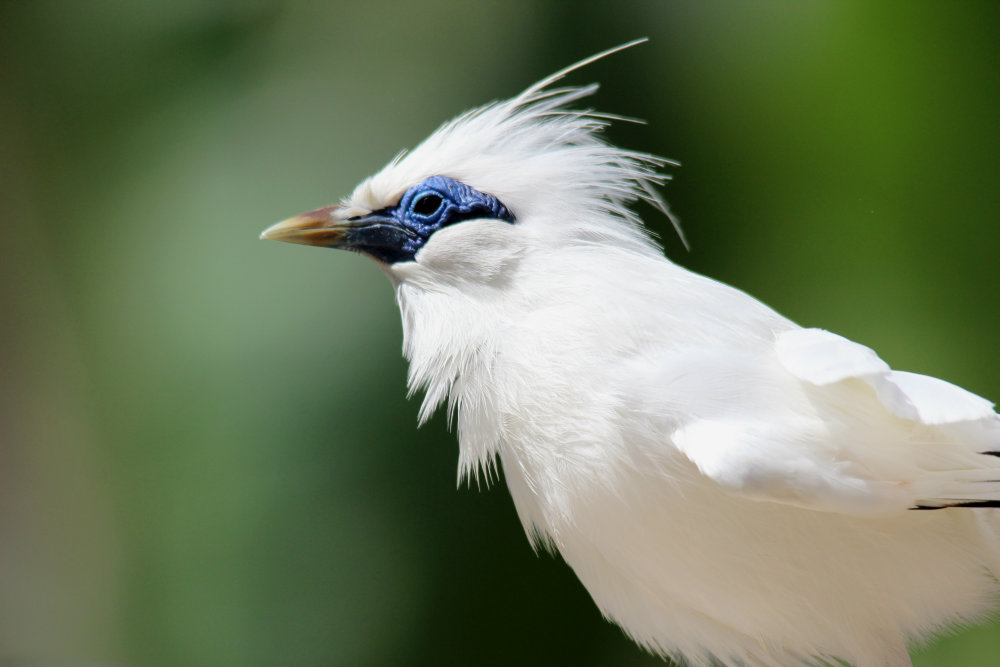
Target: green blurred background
[207, 456]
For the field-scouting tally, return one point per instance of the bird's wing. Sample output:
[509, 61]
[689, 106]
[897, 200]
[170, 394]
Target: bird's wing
[826, 424]
[769, 462]
[822, 358]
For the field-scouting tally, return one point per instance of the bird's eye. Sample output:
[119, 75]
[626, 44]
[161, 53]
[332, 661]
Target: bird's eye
[427, 204]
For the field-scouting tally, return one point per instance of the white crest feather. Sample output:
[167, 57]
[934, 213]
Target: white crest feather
[508, 148]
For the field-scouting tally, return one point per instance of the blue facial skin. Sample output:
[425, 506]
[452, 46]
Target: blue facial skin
[396, 233]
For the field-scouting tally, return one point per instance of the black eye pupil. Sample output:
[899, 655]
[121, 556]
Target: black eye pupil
[427, 204]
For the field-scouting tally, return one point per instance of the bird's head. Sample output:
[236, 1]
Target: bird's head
[491, 187]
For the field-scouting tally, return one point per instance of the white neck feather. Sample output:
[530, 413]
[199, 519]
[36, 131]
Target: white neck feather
[450, 341]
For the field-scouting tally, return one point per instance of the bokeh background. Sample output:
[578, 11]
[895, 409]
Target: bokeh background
[206, 454]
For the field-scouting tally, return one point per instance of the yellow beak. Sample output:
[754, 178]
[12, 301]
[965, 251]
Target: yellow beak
[319, 228]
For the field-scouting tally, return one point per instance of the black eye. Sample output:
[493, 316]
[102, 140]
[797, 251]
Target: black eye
[427, 204]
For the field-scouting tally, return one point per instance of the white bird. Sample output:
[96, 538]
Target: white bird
[727, 485]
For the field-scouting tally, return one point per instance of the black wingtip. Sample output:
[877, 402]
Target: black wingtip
[970, 503]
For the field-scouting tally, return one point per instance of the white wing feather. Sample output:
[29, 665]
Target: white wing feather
[930, 400]
[760, 462]
[821, 358]
[845, 433]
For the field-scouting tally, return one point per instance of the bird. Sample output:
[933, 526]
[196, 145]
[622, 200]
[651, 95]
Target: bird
[729, 487]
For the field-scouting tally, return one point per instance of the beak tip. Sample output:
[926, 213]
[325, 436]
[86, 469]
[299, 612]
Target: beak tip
[318, 228]
[272, 233]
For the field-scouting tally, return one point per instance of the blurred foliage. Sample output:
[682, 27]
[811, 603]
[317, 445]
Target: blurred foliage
[207, 456]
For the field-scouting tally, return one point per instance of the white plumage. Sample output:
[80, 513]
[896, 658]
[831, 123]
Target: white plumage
[724, 483]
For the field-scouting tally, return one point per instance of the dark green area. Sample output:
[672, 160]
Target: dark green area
[205, 449]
